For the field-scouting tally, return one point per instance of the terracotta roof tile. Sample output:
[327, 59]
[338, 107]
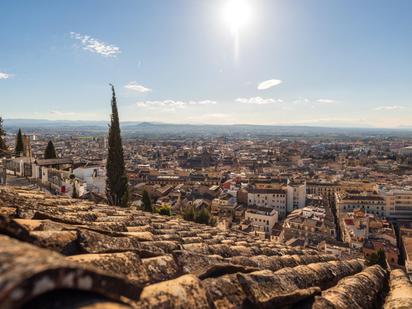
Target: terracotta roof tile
[59, 251]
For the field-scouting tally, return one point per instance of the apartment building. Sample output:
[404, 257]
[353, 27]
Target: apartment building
[322, 188]
[269, 198]
[398, 203]
[262, 219]
[369, 201]
[296, 195]
[280, 194]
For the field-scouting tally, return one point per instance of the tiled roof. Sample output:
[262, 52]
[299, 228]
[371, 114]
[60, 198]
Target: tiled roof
[58, 252]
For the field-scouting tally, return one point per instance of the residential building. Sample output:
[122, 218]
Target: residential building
[398, 203]
[261, 218]
[370, 202]
[269, 198]
[314, 224]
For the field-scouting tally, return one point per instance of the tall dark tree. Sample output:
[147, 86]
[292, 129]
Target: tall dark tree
[3, 145]
[74, 192]
[147, 202]
[117, 184]
[378, 257]
[50, 152]
[19, 144]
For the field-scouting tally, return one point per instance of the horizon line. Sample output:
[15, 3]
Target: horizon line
[217, 124]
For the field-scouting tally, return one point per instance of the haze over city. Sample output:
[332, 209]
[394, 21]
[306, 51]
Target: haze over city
[319, 62]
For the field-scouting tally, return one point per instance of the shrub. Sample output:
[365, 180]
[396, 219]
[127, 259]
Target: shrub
[165, 210]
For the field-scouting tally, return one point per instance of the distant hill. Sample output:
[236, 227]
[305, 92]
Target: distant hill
[158, 128]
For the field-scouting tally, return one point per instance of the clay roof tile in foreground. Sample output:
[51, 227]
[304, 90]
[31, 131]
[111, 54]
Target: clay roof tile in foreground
[58, 252]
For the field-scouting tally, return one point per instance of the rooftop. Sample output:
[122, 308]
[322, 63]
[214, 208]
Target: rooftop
[59, 252]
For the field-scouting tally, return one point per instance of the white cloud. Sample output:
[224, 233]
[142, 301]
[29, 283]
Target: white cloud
[172, 105]
[326, 101]
[136, 87]
[161, 104]
[258, 100]
[389, 108]
[204, 102]
[269, 84]
[4, 75]
[301, 101]
[95, 46]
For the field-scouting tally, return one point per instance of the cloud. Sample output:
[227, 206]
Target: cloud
[4, 75]
[301, 101]
[389, 108]
[204, 102]
[136, 87]
[326, 101]
[172, 105]
[95, 46]
[258, 100]
[269, 84]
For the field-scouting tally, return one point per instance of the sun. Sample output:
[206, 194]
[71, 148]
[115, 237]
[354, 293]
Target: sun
[237, 14]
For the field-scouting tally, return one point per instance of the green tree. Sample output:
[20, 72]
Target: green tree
[372, 259]
[202, 216]
[198, 215]
[382, 259]
[147, 202]
[19, 144]
[189, 213]
[3, 145]
[117, 184]
[165, 210]
[50, 152]
[378, 258]
[74, 193]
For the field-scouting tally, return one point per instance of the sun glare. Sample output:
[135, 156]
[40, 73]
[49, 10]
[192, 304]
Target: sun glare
[237, 14]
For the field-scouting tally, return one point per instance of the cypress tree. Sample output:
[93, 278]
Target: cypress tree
[117, 188]
[19, 144]
[50, 152]
[382, 259]
[378, 258]
[74, 193]
[3, 145]
[147, 203]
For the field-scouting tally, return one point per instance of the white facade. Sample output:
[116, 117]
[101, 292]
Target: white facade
[296, 196]
[262, 219]
[94, 176]
[270, 198]
[371, 203]
[67, 186]
[398, 203]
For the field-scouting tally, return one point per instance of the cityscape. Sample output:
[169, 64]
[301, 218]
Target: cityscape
[115, 196]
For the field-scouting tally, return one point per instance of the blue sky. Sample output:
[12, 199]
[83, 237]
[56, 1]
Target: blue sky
[316, 62]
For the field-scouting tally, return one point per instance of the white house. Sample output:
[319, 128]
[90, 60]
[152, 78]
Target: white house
[94, 176]
[269, 198]
[262, 219]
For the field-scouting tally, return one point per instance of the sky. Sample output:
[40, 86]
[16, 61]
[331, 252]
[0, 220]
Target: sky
[280, 62]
